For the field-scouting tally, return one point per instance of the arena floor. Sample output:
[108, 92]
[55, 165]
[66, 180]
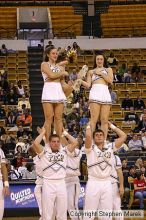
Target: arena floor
[36, 218]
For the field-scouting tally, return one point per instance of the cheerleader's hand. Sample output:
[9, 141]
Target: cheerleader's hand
[70, 83]
[63, 63]
[43, 130]
[65, 73]
[98, 72]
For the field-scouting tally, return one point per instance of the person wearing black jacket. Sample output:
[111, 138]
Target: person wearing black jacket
[139, 103]
[127, 103]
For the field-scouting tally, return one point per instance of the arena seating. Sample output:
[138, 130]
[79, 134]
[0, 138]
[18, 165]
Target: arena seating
[62, 27]
[124, 20]
[8, 21]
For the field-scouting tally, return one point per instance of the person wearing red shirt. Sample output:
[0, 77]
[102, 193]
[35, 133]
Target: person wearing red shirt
[140, 188]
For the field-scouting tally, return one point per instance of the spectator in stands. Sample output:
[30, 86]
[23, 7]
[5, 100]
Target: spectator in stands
[127, 77]
[127, 103]
[20, 143]
[112, 60]
[18, 149]
[140, 188]
[25, 102]
[11, 98]
[117, 77]
[113, 95]
[49, 44]
[3, 50]
[4, 84]
[26, 118]
[142, 124]
[144, 139]
[2, 112]
[122, 69]
[135, 72]
[22, 169]
[73, 75]
[30, 172]
[20, 89]
[76, 48]
[2, 131]
[17, 161]
[83, 120]
[68, 49]
[139, 103]
[1, 95]
[135, 144]
[128, 185]
[20, 131]
[144, 113]
[131, 117]
[143, 170]
[138, 164]
[73, 116]
[11, 119]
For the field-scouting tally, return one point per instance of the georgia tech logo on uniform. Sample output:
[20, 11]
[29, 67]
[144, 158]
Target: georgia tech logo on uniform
[107, 154]
[55, 157]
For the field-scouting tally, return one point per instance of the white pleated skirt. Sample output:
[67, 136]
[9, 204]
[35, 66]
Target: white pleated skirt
[99, 93]
[53, 93]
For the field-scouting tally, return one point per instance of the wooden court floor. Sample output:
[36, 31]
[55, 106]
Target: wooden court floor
[37, 218]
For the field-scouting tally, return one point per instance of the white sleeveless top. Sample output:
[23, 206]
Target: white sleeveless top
[55, 69]
[21, 90]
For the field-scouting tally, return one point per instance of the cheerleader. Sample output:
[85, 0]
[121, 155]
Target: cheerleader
[99, 96]
[53, 97]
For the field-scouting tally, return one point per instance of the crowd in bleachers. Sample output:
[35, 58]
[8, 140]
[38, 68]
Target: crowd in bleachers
[15, 118]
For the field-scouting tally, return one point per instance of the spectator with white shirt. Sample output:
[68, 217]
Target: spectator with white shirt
[144, 140]
[29, 173]
[23, 102]
[135, 144]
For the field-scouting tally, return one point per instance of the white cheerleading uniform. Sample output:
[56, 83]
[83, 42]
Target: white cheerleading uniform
[99, 93]
[54, 188]
[39, 183]
[2, 160]
[115, 182]
[72, 180]
[99, 187]
[52, 91]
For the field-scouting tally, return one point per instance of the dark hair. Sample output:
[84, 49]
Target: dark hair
[47, 51]
[97, 131]
[104, 63]
[53, 136]
[138, 174]
[62, 56]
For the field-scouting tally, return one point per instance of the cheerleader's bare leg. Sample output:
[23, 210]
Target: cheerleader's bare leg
[48, 113]
[95, 112]
[58, 111]
[104, 117]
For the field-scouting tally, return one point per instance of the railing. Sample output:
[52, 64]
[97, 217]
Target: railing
[69, 32]
[33, 2]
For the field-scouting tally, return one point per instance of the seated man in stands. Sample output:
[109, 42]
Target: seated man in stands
[135, 144]
[3, 50]
[128, 185]
[113, 95]
[139, 103]
[11, 119]
[127, 103]
[142, 124]
[131, 117]
[2, 112]
[12, 98]
[25, 102]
